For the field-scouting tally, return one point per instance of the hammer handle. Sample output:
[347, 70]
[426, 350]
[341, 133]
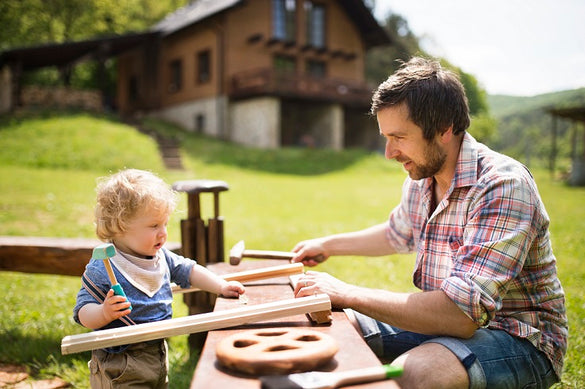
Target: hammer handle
[267, 254]
[111, 274]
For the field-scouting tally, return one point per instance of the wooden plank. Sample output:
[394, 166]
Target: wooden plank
[192, 324]
[254, 275]
[48, 255]
[45, 255]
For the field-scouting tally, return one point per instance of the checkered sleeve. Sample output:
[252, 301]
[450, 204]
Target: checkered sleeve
[493, 248]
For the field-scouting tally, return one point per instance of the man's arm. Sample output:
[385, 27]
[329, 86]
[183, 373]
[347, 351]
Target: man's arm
[431, 313]
[367, 242]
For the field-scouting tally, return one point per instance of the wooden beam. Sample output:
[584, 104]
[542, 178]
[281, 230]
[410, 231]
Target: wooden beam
[253, 275]
[48, 255]
[192, 324]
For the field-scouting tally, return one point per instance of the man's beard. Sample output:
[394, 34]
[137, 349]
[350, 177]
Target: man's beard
[435, 158]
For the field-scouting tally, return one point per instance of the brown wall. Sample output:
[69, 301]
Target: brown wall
[185, 46]
[228, 37]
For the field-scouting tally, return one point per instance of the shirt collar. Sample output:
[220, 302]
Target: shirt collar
[466, 168]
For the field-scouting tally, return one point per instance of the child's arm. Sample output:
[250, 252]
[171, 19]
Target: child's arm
[204, 279]
[96, 316]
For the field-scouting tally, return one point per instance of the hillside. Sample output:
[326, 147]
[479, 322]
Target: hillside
[504, 105]
[524, 127]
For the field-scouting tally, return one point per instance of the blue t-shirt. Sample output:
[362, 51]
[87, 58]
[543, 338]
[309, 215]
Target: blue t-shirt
[144, 309]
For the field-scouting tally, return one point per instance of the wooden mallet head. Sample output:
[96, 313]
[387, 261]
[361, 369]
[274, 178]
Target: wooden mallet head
[237, 252]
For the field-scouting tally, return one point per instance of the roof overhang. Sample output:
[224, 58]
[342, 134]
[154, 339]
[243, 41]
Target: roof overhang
[374, 35]
[574, 113]
[62, 54]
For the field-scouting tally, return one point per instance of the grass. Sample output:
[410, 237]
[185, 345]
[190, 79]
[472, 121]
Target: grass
[49, 165]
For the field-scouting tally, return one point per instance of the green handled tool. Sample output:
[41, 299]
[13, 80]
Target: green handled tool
[329, 380]
[105, 251]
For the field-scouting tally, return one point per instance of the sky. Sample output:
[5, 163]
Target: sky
[512, 47]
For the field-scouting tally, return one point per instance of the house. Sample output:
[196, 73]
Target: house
[267, 73]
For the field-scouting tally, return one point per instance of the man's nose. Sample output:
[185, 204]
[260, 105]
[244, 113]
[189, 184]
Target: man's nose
[390, 151]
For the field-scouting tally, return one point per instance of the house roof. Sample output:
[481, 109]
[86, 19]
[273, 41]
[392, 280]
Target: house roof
[373, 33]
[64, 53]
[191, 14]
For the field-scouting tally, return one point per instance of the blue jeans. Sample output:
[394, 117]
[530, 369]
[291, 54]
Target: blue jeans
[493, 358]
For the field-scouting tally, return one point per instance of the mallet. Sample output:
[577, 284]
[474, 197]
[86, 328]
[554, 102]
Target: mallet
[105, 251]
[239, 251]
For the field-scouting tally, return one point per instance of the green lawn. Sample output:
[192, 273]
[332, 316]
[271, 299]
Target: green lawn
[49, 165]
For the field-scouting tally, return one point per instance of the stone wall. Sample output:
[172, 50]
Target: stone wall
[61, 97]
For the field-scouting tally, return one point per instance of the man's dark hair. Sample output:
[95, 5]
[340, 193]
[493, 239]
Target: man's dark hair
[434, 96]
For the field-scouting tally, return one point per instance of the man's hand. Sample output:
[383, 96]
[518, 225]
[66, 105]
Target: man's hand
[317, 282]
[308, 251]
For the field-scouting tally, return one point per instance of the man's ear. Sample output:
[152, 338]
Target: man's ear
[447, 135]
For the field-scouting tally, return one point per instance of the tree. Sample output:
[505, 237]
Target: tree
[383, 61]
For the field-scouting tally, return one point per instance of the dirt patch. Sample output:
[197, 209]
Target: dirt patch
[17, 377]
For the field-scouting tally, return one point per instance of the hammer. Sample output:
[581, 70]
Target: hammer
[239, 251]
[105, 251]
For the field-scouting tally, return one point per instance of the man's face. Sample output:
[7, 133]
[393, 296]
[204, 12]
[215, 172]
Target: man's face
[405, 143]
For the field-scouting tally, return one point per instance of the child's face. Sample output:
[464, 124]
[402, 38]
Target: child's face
[146, 234]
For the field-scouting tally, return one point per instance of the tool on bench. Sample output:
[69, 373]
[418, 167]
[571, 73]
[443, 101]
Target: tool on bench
[239, 251]
[105, 251]
[328, 380]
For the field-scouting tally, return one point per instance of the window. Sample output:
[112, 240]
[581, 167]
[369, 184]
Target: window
[203, 67]
[315, 24]
[283, 20]
[284, 64]
[176, 76]
[316, 69]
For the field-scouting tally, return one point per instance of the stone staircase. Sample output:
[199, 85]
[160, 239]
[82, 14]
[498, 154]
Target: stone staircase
[170, 152]
[168, 147]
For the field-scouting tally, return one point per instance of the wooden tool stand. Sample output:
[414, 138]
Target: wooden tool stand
[200, 241]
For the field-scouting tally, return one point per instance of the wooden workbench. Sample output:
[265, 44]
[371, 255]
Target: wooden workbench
[353, 351]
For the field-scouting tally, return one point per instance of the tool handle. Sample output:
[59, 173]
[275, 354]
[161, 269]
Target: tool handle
[118, 291]
[267, 254]
[110, 271]
[368, 374]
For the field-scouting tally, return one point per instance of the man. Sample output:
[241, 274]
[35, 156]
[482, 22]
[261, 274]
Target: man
[491, 310]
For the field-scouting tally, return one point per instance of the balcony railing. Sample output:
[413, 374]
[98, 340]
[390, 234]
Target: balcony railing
[267, 82]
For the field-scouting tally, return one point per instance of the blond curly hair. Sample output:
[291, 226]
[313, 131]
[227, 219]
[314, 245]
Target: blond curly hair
[124, 195]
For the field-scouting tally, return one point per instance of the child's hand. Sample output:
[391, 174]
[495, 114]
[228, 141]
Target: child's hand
[232, 289]
[114, 306]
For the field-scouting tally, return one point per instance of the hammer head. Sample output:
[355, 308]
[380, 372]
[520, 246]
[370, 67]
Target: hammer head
[104, 251]
[236, 253]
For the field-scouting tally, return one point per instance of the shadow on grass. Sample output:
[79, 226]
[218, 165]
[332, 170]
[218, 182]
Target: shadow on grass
[41, 353]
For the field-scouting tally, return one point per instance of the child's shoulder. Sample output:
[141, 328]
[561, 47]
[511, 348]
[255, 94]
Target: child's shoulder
[95, 267]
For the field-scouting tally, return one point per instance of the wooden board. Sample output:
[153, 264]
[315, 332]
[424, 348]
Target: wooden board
[192, 324]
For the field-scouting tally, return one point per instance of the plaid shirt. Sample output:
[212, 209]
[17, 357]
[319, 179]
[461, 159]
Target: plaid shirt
[487, 246]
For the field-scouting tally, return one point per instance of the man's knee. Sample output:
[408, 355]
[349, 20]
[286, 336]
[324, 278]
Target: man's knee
[431, 365]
